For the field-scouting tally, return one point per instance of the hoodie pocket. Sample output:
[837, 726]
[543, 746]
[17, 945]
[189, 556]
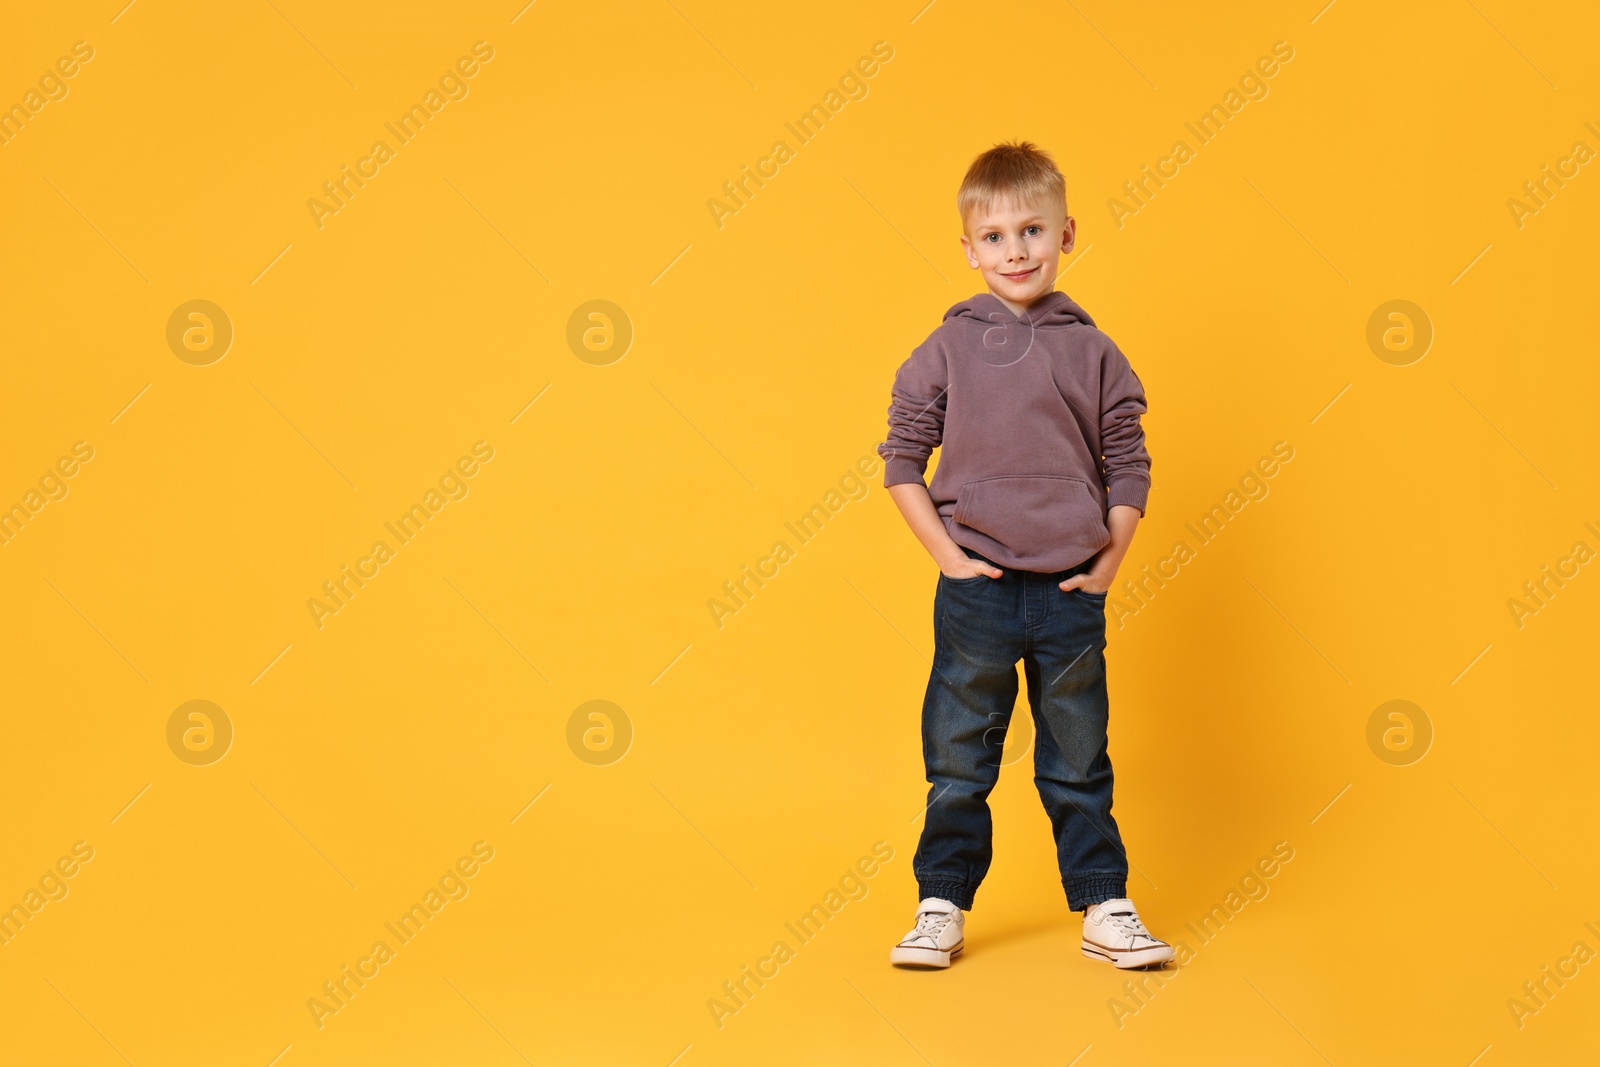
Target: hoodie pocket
[1034, 513]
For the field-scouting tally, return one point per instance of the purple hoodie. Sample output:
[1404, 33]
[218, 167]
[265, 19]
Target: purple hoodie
[1038, 416]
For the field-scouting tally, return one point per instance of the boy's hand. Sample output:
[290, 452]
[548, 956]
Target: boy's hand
[914, 503]
[1090, 582]
[1122, 520]
[967, 567]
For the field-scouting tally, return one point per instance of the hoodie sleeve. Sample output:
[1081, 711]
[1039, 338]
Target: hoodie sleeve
[916, 415]
[1125, 464]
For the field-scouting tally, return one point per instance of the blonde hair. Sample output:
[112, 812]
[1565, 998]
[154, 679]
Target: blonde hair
[1018, 171]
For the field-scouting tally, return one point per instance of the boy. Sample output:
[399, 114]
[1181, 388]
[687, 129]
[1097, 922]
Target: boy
[1042, 478]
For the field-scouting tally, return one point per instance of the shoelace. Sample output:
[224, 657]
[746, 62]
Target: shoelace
[929, 923]
[1127, 923]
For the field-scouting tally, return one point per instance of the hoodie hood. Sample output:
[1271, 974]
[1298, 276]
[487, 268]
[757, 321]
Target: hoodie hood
[1054, 310]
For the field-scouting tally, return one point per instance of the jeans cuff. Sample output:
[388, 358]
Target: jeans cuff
[956, 893]
[1088, 890]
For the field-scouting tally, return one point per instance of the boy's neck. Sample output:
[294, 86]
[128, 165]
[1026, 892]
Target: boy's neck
[1019, 309]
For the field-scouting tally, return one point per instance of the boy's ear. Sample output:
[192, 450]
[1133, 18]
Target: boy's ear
[1069, 235]
[972, 257]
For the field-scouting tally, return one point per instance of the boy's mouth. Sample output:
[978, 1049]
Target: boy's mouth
[1019, 275]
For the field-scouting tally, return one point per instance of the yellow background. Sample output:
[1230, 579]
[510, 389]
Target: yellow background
[768, 755]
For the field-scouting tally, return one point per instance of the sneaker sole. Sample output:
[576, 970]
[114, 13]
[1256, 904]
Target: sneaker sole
[924, 957]
[1144, 957]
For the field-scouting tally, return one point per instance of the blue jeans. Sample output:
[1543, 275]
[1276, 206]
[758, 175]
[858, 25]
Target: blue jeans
[982, 626]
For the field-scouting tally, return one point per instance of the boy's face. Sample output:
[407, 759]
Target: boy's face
[1016, 247]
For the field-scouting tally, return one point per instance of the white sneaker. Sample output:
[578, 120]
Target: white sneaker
[937, 938]
[1112, 931]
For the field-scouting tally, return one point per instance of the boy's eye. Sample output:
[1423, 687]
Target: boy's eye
[991, 237]
[1036, 229]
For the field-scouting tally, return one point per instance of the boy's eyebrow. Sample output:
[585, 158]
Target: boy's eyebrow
[1024, 222]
